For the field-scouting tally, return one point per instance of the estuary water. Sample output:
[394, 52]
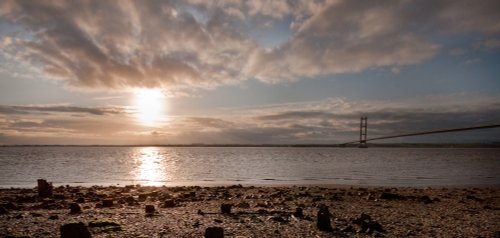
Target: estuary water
[206, 166]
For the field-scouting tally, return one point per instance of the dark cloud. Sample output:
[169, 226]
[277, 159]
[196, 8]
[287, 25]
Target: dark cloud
[55, 109]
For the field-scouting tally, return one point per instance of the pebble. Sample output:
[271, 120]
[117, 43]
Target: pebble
[74, 230]
[75, 208]
[214, 232]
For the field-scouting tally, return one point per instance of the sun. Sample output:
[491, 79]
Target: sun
[149, 106]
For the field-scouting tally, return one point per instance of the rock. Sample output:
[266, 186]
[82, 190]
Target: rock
[53, 217]
[279, 219]
[150, 209]
[391, 196]
[107, 202]
[142, 197]
[243, 205]
[3, 210]
[214, 232]
[35, 214]
[44, 188]
[17, 236]
[426, 199]
[74, 208]
[323, 222]
[74, 230]
[298, 212]
[169, 203]
[226, 208]
[106, 225]
[367, 225]
[80, 200]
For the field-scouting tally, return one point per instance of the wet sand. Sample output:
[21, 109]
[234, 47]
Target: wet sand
[253, 211]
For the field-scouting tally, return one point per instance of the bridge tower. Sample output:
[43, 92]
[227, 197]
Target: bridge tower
[363, 128]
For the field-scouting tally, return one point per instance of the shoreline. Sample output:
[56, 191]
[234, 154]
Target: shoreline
[229, 184]
[257, 211]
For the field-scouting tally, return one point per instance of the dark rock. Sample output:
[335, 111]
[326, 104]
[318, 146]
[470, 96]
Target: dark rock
[74, 230]
[169, 203]
[150, 209]
[107, 202]
[44, 188]
[80, 200]
[3, 210]
[367, 225]
[243, 205]
[142, 197]
[298, 212]
[391, 196]
[111, 225]
[53, 217]
[34, 214]
[323, 222]
[280, 219]
[9, 206]
[214, 232]
[59, 196]
[426, 199]
[74, 208]
[226, 208]
[17, 236]
[472, 197]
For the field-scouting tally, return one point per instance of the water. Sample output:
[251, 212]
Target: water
[172, 166]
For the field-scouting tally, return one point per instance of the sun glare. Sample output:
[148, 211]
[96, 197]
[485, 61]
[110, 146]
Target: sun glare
[150, 106]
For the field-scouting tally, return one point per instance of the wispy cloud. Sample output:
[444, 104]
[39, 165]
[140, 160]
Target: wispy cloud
[7, 109]
[333, 120]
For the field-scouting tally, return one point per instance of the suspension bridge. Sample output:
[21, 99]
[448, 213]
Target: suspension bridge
[363, 133]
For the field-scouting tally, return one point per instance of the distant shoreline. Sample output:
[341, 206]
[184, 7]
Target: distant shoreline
[384, 145]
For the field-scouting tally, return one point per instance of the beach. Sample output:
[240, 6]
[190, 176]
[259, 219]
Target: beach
[249, 211]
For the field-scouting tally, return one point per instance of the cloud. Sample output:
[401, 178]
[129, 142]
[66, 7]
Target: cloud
[6, 109]
[333, 120]
[473, 61]
[457, 51]
[120, 44]
[196, 44]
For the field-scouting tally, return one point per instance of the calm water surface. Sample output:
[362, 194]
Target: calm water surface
[171, 166]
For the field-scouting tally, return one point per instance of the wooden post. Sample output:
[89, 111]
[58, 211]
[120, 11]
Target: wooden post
[44, 188]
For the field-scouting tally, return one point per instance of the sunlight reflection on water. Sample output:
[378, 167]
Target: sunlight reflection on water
[150, 170]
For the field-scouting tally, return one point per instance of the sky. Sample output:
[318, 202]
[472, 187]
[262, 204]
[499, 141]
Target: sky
[247, 72]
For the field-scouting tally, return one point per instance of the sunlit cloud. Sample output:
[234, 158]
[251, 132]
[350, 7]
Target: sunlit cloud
[327, 121]
[178, 46]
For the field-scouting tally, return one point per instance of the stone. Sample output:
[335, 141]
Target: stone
[3, 210]
[367, 225]
[74, 208]
[169, 203]
[226, 208]
[17, 236]
[150, 209]
[323, 222]
[391, 196]
[243, 205]
[53, 217]
[107, 202]
[142, 197]
[214, 232]
[74, 230]
[44, 188]
[80, 200]
[298, 212]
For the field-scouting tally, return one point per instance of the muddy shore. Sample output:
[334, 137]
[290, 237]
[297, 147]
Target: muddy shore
[247, 211]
